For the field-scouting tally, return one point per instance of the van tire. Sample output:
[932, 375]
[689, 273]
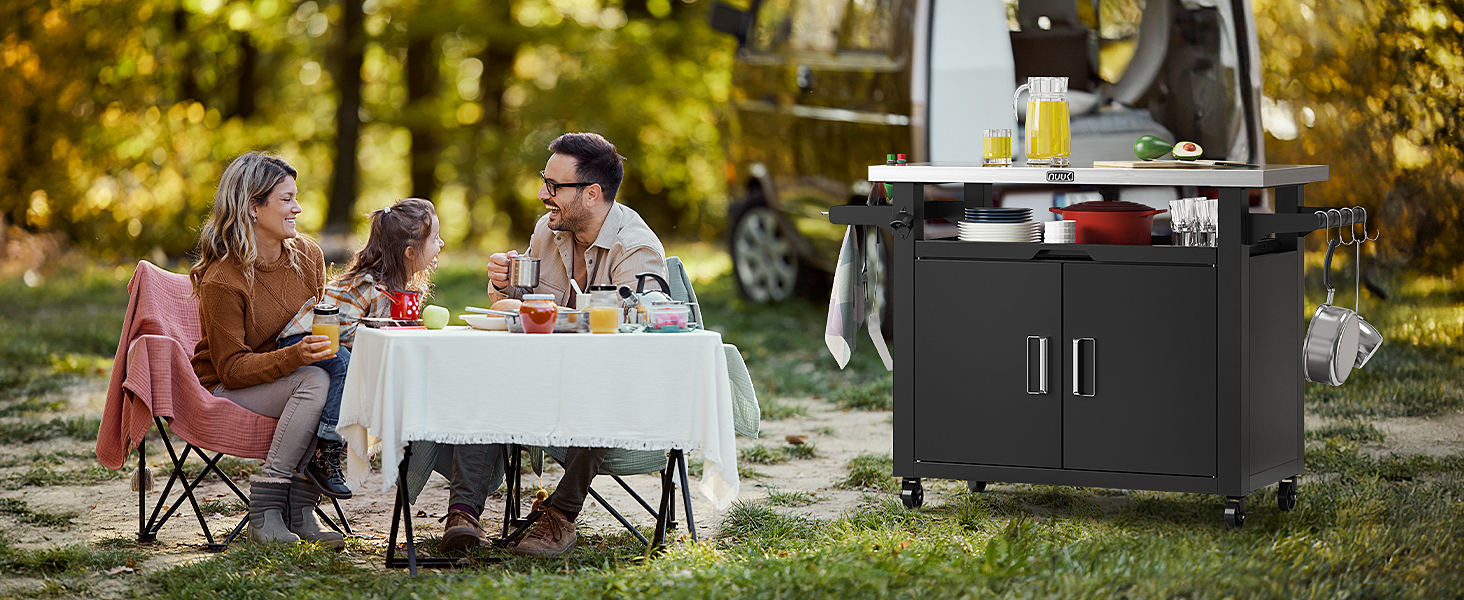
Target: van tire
[765, 261]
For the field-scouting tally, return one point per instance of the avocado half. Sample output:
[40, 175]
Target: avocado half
[1187, 151]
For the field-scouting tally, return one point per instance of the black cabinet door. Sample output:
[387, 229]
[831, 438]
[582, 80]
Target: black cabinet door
[1144, 400]
[973, 368]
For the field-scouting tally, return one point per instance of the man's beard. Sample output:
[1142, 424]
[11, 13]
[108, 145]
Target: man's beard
[574, 221]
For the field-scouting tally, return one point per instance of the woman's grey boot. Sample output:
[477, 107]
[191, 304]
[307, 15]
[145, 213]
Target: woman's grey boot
[269, 501]
[304, 496]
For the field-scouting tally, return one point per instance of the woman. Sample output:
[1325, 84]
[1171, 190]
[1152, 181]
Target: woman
[254, 271]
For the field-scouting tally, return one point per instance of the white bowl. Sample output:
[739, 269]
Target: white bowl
[486, 322]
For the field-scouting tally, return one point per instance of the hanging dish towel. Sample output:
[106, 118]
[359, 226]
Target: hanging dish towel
[876, 327]
[846, 301]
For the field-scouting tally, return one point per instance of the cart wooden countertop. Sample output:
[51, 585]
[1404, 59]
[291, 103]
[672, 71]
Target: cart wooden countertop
[971, 172]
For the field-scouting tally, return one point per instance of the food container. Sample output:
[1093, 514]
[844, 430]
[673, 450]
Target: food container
[668, 316]
[1104, 222]
[566, 320]
[538, 313]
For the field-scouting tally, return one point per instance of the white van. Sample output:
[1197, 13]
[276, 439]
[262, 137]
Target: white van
[824, 88]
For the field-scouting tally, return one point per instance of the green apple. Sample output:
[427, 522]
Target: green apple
[434, 316]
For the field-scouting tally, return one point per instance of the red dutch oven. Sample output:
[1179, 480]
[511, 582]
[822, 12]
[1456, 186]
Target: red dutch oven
[1104, 222]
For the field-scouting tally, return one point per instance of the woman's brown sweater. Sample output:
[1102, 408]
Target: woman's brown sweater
[240, 322]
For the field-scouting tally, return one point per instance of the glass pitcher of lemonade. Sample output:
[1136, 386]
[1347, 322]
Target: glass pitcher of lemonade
[1049, 138]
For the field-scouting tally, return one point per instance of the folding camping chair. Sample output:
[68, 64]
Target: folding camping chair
[153, 383]
[671, 465]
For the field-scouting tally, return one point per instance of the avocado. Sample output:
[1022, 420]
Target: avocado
[1187, 151]
[1150, 147]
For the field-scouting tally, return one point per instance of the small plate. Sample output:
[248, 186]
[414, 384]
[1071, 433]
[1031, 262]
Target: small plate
[485, 322]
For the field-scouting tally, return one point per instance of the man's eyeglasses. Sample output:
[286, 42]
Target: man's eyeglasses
[554, 187]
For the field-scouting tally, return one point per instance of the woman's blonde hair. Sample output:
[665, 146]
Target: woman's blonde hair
[393, 229]
[228, 234]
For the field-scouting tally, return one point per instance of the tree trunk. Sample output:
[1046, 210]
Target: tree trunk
[187, 83]
[422, 83]
[498, 56]
[350, 54]
[248, 64]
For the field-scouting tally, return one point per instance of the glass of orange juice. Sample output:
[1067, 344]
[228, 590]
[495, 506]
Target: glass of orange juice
[604, 309]
[327, 323]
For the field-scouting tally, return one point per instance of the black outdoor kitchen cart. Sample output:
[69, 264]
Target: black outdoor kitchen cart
[1154, 367]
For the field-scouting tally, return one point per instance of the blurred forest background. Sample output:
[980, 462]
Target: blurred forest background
[117, 117]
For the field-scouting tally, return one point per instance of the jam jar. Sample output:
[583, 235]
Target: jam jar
[537, 313]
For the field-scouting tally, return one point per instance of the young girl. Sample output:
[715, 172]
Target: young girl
[400, 255]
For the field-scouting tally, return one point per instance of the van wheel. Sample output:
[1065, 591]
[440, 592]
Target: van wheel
[764, 256]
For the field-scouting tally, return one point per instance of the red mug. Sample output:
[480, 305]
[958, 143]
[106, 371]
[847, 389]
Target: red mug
[406, 305]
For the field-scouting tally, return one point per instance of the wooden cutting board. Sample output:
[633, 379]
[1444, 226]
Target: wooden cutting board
[1144, 164]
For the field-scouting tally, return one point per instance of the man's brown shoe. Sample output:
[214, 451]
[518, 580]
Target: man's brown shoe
[463, 532]
[551, 535]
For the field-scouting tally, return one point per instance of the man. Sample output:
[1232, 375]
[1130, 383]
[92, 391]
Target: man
[589, 238]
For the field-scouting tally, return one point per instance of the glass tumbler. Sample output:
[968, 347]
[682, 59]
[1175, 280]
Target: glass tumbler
[604, 309]
[996, 147]
[327, 323]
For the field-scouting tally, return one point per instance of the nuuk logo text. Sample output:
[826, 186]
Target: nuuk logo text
[1061, 177]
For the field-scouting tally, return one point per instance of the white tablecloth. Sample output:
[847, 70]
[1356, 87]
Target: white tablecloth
[648, 391]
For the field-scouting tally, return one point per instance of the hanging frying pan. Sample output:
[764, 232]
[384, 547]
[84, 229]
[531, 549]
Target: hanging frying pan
[1331, 338]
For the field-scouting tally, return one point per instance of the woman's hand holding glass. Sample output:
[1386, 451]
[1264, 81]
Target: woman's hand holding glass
[315, 348]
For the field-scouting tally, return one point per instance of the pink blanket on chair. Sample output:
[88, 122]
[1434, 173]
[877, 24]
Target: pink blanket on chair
[152, 376]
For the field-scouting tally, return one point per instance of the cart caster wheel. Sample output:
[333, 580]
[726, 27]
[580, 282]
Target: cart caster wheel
[1286, 494]
[1235, 511]
[912, 494]
[976, 487]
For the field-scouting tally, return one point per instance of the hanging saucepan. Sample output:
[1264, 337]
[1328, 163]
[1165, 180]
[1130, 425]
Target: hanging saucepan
[1331, 339]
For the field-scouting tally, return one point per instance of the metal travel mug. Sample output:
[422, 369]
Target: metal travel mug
[523, 271]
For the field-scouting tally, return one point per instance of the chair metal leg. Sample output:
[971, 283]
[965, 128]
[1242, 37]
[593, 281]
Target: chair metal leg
[685, 492]
[617, 515]
[667, 501]
[142, 533]
[402, 514]
[643, 503]
[237, 530]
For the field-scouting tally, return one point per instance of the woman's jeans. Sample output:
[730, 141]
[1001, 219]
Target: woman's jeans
[336, 367]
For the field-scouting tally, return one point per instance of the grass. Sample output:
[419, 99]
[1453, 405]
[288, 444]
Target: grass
[23, 513]
[25, 432]
[875, 395]
[227, 506]
[1351, 431]
[66, 559]
[778, 497]
[44, 476]
[1389, 526]
[1353, 537]
[763, 455]
[869, 472]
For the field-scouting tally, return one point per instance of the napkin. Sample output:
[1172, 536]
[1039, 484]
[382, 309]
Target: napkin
[846, 301]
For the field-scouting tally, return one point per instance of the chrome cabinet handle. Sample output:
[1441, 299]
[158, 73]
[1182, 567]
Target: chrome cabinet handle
[1093, 355]
[1041, 365]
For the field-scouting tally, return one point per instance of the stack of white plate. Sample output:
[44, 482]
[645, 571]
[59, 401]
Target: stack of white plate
[1060, 232]
[999, 225]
